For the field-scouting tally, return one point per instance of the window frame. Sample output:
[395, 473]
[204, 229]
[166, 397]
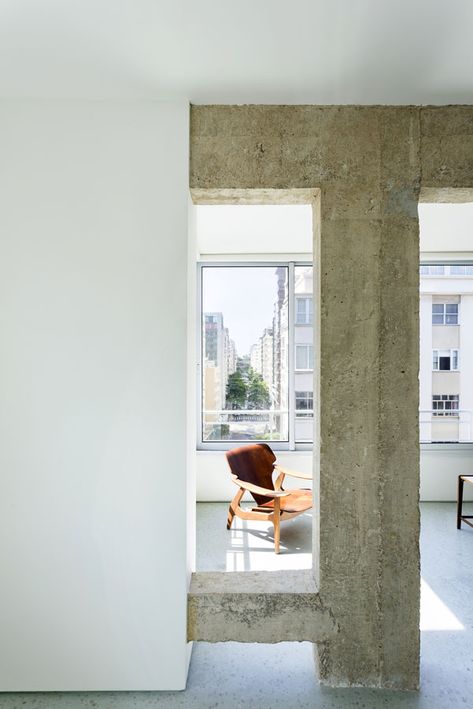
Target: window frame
[308, 348]
[445, 315]
[452, 357]
[453, 412]
[308, 310]
[290, 444]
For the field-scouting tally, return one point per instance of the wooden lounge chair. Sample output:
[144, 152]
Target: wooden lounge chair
[252, 470]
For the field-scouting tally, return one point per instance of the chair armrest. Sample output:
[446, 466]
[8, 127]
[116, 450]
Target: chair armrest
[266, 492]
[293, 473]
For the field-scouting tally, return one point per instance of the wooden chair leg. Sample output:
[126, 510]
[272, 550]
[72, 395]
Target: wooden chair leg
[459, 501]
[234, 504]
[277, 523]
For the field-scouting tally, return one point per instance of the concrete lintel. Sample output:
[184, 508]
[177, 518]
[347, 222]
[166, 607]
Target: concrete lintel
[257, 606]
[254, 196]
[449, 195]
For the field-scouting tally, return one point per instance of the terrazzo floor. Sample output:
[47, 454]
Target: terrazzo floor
[273, 676]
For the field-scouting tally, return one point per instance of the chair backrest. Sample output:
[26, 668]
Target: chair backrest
[254, 464]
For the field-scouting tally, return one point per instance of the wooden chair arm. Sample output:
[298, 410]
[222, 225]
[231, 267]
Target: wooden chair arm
[266, 492]
[293, 473]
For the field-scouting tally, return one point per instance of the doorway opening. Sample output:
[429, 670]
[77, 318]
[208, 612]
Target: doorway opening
[255, 380]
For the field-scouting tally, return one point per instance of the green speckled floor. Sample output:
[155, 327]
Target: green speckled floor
[274, 676]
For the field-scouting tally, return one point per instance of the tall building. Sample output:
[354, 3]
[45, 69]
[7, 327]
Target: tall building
[220, 360]
[255, 357]
[280, 345]
[304, 353]
[267, 357]
[262, 357]
[446, 353]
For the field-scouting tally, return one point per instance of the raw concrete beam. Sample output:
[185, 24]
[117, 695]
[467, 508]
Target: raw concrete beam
[258, 606]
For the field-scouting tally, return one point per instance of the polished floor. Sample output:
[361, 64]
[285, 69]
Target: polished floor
[255, 676]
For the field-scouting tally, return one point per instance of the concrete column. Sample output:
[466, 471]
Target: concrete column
[369, 560]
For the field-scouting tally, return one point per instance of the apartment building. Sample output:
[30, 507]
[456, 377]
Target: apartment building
[220, 358]
[446, 353]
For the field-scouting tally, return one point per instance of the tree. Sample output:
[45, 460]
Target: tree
[258, 392]
[236, 391]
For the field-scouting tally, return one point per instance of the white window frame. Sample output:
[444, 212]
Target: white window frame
[290, 444]
[307, 412]
[436, 360]
[445, 314]
[442, 412]
[308, 310]
[308, 349]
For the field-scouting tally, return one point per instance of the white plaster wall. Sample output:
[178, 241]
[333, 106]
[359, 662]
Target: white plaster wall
[439, 470]
[440, 466]
[93, 305]
[214, 483]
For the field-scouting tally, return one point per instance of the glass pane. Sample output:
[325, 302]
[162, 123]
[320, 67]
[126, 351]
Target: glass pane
[245, 353]
[437, 270]
[457, 270]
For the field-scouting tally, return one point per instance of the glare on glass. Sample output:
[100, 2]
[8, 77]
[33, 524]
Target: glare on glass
[245, 341]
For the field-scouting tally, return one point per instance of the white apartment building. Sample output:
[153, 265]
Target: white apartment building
[255, 357]
[304, 353]
[446, 353]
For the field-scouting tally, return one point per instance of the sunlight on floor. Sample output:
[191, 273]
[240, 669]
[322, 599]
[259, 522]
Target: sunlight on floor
[434, 614]
[249, 545]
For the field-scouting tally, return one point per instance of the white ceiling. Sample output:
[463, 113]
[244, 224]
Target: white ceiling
[239, 51]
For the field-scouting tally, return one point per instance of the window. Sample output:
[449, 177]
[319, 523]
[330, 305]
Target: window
[445, 404]
[304, 404]
[256, 367]
[304, 311]
[445, 360]
[461, 270]
[432, 270]
[304, 357]
[444, 313]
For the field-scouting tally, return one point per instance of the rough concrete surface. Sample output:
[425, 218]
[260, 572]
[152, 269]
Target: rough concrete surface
[369, 164]
[257, 606]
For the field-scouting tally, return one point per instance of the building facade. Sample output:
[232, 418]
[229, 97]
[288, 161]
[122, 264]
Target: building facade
[446, 353]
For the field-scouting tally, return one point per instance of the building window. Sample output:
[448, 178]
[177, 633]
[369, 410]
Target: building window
[432, 270]
[253, 359]
[304, 404]
[304, 357]
[445, 404]
[444, 313]
[445, 360]
[304, 311]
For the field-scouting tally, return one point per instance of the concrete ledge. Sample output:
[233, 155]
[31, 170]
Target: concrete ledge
[257, 606]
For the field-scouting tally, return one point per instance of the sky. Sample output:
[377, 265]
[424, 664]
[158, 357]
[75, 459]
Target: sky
[245, 296]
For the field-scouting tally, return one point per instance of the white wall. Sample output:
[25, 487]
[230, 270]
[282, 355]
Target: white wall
[214, 483]
[93, 395]
[440, 466]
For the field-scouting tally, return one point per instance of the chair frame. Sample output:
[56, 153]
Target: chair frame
[460, 516]
[262, 514]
